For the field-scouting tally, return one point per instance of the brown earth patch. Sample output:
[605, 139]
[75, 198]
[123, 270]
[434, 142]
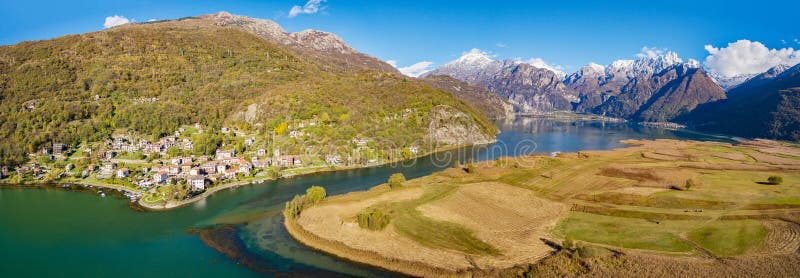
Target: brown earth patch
[510, 218]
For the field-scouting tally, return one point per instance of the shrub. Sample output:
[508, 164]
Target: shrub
[568, 243]
[396, 180]
[775, 180]
[373, 219]
[313, 196]
[470, 167]
[689, 184]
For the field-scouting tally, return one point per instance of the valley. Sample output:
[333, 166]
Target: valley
[224, 145]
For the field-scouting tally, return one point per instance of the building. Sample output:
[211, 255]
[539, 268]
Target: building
[196, 182]
[181, 160]
[195, 171]
[221, 168]
[227, 154]
[58, 148]
[160, 177]
[210, 168]
[123, 173]
[261, 152]
[107, 170]
[249, 141]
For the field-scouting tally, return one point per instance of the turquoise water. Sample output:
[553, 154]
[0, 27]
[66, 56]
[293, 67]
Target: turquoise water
[56, 233]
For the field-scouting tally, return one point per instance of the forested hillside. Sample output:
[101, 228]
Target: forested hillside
[152, 78]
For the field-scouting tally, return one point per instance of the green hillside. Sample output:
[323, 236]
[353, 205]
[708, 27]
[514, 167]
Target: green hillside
[153, 78]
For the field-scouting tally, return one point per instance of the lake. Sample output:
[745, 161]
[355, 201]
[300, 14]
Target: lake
[52, 232]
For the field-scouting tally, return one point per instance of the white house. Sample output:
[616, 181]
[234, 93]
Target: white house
[159, 177]
[123, 173]
[196, 182]
[225, 154]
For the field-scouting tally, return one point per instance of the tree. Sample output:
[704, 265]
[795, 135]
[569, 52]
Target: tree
[396, 180]
[373, 219]
[315, 194]
[174, 151]
[281, 128]
[775, 180]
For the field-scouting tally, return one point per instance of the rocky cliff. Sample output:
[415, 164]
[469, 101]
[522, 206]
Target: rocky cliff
[450, 126]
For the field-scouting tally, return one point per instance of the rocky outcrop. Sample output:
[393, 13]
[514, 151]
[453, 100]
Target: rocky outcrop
[450, 126]
[322, 45]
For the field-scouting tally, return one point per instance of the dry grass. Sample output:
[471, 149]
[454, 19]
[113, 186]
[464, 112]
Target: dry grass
[513, 203]
[510, 218]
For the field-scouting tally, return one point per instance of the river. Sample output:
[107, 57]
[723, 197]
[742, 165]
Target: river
[57, 233]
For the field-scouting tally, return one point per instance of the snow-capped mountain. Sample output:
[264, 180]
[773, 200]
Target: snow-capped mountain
[730, 82]
[595, 87]
[530, 88]
[653, 87]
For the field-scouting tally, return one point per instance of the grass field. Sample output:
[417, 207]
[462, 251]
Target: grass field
[623, 232]
[729, 238]
[663, 198]
[410, 222]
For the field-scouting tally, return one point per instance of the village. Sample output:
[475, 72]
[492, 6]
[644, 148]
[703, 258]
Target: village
[169, 167]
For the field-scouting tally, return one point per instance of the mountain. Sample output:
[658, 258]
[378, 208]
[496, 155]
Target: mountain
[650, 88]
[728, 82]
[767, 76]
[529, 88]
[479, 98]
[218, 70]
[766, 106]
[313, 43]
[662, 96]
[597, 84]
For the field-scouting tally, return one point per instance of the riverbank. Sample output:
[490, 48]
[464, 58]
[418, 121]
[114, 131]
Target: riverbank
[211, 191]
[697, 201]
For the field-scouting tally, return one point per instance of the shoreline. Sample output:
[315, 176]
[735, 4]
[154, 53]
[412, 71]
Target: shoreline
[172, 205]
[372, 259]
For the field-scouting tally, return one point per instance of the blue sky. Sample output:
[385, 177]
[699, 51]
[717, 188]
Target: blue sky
[566, 33]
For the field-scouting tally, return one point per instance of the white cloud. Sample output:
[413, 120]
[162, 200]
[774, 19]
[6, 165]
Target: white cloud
[152, 20]
[414, 70]
[115, 20]
[797, 41]
[311, 7]
[747, 57]
[783, 41]
[651, 52]
[501, 45]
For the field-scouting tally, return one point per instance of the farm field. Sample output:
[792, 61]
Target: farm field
[683, 204]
